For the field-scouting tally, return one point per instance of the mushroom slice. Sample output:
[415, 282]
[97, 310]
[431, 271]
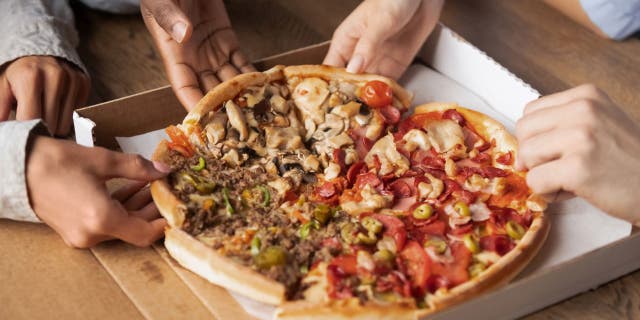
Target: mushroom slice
[236, 119]
[279, 104]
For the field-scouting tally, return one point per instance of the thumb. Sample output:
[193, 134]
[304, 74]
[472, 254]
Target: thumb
[113, 164]
[368, 47]
[169, 16]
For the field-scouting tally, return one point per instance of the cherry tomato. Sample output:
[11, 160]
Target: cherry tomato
[376, 94]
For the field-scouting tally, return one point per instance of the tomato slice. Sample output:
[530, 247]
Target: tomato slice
[345, 264]
[376, 94]
[394, 228]
[455, 272]
[179, 141]
[417, 264]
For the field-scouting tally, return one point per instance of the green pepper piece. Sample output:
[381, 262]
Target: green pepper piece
[270, 256]
[227, 203]
[372, 225]
[266, 195]
[304, 269]
[423, 211]
[205, 187]
[255, 245]
[201, 164]
[305, 229]
[515, 230]
[188, 178]
[322, 213]
[346, 232]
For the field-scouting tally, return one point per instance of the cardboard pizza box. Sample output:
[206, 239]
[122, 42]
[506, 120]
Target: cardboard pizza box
[151, 285]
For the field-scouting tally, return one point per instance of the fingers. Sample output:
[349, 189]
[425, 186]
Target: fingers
[138, 231]
[129, 190]
[138, 200]
[149, 212]
[585, 91]
[54, 91]
[77, 94]
[207, 80]
[169, 17]
[240, 61]
[28, 90]
[111, 164]
[185, 84]
[549, 178]
[544, 147]
[6, 99]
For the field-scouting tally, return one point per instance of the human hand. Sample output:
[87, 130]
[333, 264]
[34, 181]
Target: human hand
[43, 87]
[197, 44]
[66, 184]
[382, 36]
[578, 142]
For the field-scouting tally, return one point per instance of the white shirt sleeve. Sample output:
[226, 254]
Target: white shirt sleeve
[37, 27]
[617, 18]
[14, 198]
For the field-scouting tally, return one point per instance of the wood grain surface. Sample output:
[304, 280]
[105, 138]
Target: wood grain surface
[538, 44]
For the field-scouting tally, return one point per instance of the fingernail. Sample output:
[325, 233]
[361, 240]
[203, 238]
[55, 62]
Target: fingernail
[161, 167]
[355, 64]
[178, 31]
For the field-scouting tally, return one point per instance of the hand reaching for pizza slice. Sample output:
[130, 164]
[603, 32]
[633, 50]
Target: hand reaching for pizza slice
[197, 44]
[578, 142]
[382, 37]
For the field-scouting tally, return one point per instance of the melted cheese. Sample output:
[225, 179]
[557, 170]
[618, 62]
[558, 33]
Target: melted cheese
[332, 171]
[309, 96]
[416, 139]
[283, 138]
[371, 201]
[391, 161]
[446, 136]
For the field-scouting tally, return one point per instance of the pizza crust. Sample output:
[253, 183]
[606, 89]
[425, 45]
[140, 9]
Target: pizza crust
[344, 309]
[207, 263]
[332, 73]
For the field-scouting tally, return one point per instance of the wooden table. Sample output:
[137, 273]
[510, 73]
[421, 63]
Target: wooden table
[529, 38]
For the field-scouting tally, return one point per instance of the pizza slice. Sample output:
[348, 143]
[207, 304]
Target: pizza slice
[303, 187]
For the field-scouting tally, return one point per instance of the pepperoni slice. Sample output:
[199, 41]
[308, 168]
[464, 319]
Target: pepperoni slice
[499, 244]
[453, 114]
[390, 114]
[394, 228]
[355, 170]
[368, 178]
[326, 190]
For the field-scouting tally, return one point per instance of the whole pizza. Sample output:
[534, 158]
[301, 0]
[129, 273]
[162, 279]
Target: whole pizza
[309, 188]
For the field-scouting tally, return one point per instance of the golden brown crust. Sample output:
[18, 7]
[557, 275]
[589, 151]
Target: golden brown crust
[229, 90]
[334, 73]
[344, 309]
[170, 207]
[206, 262]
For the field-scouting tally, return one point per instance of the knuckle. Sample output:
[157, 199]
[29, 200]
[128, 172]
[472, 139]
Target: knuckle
[588, 110]
[591, 90]
[96, 220]
[578, 170]
[80, 241]
[137, 161]
[585, 139]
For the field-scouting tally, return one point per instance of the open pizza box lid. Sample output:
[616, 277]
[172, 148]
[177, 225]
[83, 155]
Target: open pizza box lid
[585, 247]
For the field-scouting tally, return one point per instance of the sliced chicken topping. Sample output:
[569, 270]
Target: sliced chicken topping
[283, 138]
[446, 137]
[309, 96]
[416, 139]
[391, 161]
[347, 110]
[371, 201]
[237, 119]
[215, 130]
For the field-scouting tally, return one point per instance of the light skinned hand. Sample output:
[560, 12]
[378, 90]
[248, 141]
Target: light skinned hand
[197, 44]
[578, 142]
[383, 36]
[66, 184]
[43, 87]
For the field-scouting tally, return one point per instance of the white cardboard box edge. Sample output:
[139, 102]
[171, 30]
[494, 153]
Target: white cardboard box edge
[454, 57]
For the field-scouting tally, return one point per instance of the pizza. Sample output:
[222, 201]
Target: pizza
[312, 189]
